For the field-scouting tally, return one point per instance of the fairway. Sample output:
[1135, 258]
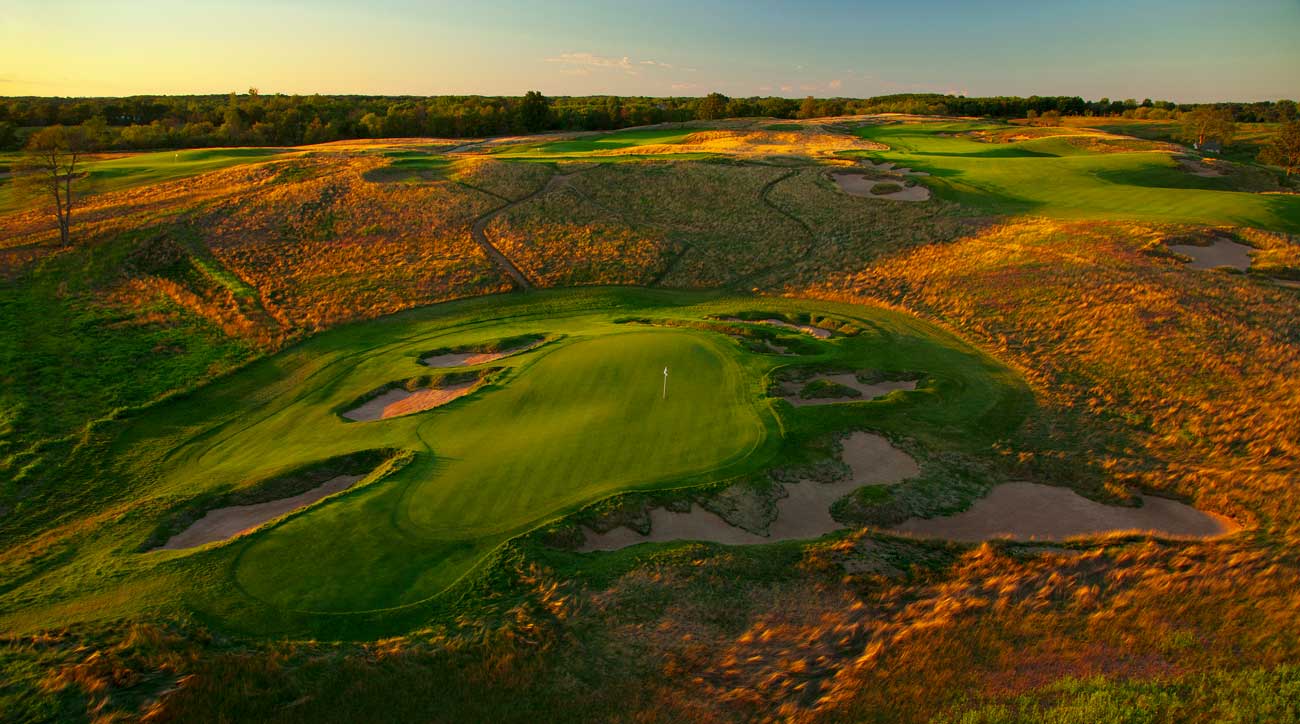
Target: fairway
[140, 169]
[1053, 177]
[604, 142]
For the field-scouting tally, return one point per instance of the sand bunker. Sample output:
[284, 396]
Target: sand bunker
[1223, 252]
[465, 359]
[1030, 511]
[803, 514]
[870, 391]
[858, 185]
[888, 166]
[1197, 167]
[817, 332]
[398, 402]
[224, 523]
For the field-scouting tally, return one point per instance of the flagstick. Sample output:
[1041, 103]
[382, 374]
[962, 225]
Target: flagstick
[665, 383]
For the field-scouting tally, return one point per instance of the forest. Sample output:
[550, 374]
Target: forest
[257, 119]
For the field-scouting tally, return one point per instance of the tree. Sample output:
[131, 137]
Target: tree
[713, 106]
[1207, 124]
[808, 109]
[1284, 150]
[1050, 118]
[534, 111]
[49, 167]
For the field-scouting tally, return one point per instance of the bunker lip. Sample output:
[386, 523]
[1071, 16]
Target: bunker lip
[1198, 167]
[856, 184]
[398, 401]
[870, 391]
[802, 515]
[1221, 253]
[1034, 512]
[470, 356]
[220, 524]
[817, 332]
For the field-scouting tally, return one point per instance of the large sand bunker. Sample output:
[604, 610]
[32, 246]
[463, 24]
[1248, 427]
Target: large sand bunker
[224, 523]
[398, 402]
[804, 513]
[855, 184]
[1030, 511]
[1198, 167]
[869, 390]
[1223, 252]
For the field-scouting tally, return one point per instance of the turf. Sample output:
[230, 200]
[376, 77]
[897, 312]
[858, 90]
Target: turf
[1051, 177]
[608, 142]
[140, 169]
[564, 425]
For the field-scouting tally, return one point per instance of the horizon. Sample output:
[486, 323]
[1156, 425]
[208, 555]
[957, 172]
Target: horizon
[1206, 51]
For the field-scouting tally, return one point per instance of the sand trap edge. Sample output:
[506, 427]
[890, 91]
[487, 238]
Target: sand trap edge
[393, 463]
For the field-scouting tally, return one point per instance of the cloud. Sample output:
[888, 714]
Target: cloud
[835, 84]
[584, 61]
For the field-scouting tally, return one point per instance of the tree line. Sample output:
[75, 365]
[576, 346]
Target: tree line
[255, 119]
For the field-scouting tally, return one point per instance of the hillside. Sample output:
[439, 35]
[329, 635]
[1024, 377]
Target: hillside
[1027, 291]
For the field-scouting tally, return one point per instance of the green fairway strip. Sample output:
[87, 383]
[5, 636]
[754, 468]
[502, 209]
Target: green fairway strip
[1052, 177]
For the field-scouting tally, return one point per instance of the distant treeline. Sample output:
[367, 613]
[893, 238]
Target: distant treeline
[283, 120]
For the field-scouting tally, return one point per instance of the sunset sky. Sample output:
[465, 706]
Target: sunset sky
[1183, 50]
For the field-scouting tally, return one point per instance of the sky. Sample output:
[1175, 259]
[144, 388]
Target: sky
[1180, 50]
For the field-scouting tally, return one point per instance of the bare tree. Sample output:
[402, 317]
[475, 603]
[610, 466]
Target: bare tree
[49, 167]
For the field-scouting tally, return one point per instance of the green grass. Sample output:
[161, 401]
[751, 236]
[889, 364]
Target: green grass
[580, 147]
[564, 425]
[1052, 177]
[1244, 147]
[140, 169]
[411, 166]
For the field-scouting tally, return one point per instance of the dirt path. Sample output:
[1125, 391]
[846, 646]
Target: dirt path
[767, 189]
[803, 514]
[746, 280]
[479, 230]
[1031, 511]
[224, 523]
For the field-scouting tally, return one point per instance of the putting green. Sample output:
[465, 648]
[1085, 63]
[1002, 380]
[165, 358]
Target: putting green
[583, 419]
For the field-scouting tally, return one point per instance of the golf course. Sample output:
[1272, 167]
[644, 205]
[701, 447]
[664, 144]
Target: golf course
[1056, 175]
[582, 415]
[796, 409]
